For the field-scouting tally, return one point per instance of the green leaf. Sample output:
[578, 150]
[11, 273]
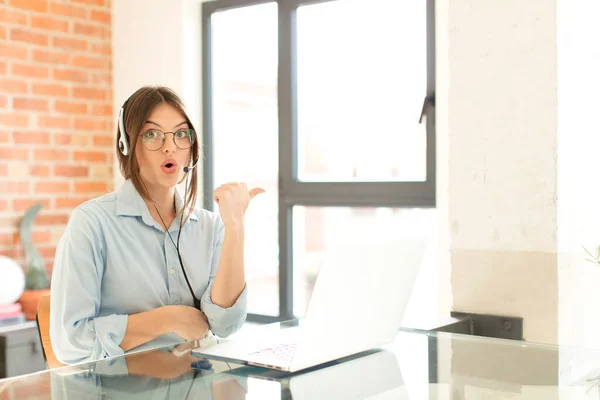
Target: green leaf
[590, 254]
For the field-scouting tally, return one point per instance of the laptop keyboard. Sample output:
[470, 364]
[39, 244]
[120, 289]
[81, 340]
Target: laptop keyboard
[284, 352]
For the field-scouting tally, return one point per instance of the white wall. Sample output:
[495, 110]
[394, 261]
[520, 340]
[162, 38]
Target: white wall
[157, 45]
[497, 130]
[578, 188]
[517, 166]
[579, 141]
[517, 162]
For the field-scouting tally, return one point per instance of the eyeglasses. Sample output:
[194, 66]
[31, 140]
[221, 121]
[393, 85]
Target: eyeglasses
[154, 139]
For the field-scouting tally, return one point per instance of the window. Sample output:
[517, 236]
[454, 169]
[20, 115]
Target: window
[357, 99]
[244, 142]
[322, 104]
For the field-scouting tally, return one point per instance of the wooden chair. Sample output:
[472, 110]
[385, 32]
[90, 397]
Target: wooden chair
[43, 322]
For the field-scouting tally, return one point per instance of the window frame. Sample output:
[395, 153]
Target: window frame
[293, 192]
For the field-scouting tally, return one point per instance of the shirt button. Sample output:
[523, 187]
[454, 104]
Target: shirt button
[172, 271]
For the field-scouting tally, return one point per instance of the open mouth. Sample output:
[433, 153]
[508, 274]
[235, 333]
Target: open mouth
[169, 167]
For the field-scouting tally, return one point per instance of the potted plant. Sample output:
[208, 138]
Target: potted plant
[37, 283]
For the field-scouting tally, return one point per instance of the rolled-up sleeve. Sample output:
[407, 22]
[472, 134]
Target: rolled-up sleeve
[223, 321]
[77, 333]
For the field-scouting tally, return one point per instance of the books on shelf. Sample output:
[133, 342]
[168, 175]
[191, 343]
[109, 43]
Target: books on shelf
[18, 319]
[11, 314]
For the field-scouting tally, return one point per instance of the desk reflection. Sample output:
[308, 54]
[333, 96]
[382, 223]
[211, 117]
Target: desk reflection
[155, 374]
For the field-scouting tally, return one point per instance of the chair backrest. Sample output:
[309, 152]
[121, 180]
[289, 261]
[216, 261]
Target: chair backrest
[43, 322]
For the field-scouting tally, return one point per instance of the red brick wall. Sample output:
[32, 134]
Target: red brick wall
[56, 127]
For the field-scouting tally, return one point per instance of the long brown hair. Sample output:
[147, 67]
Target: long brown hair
[137, 109]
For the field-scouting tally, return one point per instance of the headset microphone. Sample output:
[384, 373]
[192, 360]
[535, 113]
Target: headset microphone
[188, 169]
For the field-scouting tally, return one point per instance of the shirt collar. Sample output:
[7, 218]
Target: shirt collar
[179, 206]
[131, 204]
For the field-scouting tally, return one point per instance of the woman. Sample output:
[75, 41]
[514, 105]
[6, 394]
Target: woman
[142, 263]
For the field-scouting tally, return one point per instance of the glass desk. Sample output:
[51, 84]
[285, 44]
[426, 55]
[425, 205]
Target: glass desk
[417, 365]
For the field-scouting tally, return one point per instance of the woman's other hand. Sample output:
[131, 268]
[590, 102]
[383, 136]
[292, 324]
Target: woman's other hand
[187, 322]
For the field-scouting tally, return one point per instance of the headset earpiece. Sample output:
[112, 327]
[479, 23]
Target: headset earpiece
[123, 137]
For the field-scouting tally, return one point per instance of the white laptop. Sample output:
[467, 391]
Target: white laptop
[358, 302]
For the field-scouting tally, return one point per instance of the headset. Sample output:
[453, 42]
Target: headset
[124, 149]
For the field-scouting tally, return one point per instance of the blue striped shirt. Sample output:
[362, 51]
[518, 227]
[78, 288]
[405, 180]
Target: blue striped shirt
[114, 259]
